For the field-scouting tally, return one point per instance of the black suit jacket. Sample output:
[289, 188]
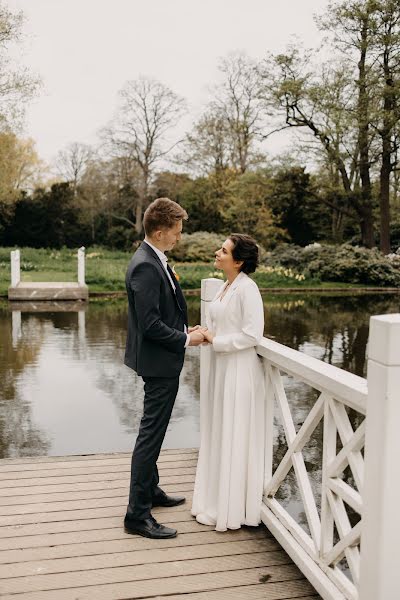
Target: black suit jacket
[155, 344]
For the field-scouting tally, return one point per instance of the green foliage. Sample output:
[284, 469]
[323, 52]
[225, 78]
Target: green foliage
[296, 207]
[197, 247]
[345, 263]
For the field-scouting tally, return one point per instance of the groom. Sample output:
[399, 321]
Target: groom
[155, 348]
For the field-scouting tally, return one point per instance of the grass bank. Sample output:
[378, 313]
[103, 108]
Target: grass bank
[105, 271]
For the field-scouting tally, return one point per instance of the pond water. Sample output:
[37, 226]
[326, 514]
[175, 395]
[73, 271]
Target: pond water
[64, 388]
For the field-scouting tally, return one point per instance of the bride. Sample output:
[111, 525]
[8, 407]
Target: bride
[230, 470]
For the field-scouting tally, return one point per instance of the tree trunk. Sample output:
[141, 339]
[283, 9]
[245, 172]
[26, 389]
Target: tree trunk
[367, 226]
[386, 168]
[384, 197]
[141, 200]
[139, 214]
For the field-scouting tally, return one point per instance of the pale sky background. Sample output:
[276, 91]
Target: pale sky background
[85, 50]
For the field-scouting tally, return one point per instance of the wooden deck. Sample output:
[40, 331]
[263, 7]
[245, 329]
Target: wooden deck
[62, 538]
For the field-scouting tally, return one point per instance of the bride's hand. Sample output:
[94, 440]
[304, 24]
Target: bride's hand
[208, 335]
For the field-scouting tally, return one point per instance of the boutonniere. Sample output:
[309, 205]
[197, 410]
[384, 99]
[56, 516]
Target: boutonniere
[175, 273]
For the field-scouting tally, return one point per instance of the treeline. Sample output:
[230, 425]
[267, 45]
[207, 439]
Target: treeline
[342, 104]
[275, 205]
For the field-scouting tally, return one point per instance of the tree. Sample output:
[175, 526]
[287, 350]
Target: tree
[20, 166]
[324, 102]
[17, 86]
[207, 149]
[297, 207]
[72, 162]
[139, 130]
[370, 31]
[237, 106]
[387, 47]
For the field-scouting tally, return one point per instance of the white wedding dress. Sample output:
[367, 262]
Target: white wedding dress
[230, 470]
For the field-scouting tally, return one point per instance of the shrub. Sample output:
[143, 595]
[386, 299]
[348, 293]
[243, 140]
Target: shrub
[197, 247]
[345, 263]
[200, 247]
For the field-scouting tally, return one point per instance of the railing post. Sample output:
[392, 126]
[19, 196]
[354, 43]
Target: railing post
[209, 288]
[269, 426]
[15, 268]
[379, 569]
[81, 265]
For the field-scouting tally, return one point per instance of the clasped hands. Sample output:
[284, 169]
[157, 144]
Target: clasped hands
[200, 335]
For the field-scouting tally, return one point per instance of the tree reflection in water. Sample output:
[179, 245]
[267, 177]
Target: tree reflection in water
[19, 435]
[105, 397]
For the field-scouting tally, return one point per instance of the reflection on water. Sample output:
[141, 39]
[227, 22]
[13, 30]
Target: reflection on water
[64, 388]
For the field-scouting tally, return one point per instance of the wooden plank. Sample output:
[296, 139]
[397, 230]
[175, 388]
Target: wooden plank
[347, 493]
[60, 479]
[356, 442]
[91, 462]
[351, 539]
[129, 543]
[171, 585]
[138, 557]
[88, 524]
[48, 510]
[101, 485]
[119, 466]
[96, 493]
[78, 537]
[120, 574]
[308, 564]
[312, 420]
[355, 458]
[321, 376]
[85, 510]
[85, 457]
[272, 591]
[328, 454]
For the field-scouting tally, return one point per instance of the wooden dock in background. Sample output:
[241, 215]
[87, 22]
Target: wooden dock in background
[62, 538]
[34, 291]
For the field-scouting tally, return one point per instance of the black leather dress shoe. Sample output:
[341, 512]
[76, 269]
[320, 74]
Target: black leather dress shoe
[149, 528]
[168, 500]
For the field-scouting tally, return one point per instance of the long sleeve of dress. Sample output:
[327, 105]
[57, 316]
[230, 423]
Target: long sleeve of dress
[252, 326]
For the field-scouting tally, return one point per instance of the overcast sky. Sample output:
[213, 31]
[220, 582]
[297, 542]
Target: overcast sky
[85, 50]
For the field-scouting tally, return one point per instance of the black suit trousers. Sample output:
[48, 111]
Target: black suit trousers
[159, 399]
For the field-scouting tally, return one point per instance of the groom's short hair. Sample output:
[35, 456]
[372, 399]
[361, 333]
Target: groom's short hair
[162, 213]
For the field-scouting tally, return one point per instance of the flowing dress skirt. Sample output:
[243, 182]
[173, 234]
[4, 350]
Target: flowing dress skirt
[229, 478]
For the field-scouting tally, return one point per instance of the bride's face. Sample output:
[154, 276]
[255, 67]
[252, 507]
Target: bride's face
[224, 259]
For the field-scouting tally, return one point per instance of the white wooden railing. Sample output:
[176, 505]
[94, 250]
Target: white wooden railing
[15, 258]
[370, 452]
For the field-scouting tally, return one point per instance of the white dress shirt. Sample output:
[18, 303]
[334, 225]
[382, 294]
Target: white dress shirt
[164, 261]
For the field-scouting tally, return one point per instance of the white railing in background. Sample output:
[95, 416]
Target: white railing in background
[15, 267]
[375, 572]
[81, 265]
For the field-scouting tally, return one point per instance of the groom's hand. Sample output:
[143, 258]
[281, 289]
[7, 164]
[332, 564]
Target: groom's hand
[196, 338]
[195, 328]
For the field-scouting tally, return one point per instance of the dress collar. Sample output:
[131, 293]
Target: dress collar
[235, 284]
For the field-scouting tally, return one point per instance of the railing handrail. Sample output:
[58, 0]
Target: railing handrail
[345, 386]
[371, 546]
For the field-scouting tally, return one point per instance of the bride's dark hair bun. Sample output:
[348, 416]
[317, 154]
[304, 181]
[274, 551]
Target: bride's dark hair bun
[245, 248]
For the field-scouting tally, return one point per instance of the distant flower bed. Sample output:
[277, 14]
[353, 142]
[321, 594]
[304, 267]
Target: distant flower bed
[282, 272]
